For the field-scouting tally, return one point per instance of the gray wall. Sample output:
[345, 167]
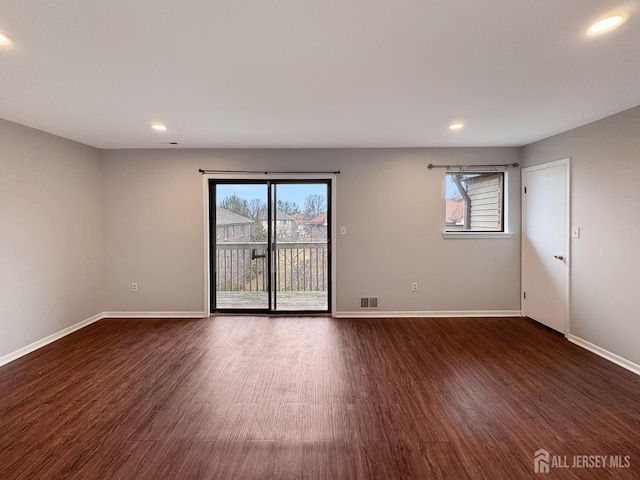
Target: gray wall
[605, 264]
[79, 225]
[51, 237]
[392, 205]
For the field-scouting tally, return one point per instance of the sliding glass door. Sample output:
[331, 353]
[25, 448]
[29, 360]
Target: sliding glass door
[301, 246]
[240, 257]
[271, 248]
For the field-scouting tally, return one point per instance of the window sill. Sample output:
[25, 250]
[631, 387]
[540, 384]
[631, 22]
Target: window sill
[475, 235]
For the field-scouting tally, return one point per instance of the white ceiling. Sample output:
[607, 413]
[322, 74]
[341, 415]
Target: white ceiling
[314, 73]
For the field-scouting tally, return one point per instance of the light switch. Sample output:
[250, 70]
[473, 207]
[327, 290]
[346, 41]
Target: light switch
[343, 230]
[575, 232]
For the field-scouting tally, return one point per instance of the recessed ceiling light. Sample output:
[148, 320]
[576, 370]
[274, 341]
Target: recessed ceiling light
[159, 127]
[6, 40]
[456, 126]
[606, 24]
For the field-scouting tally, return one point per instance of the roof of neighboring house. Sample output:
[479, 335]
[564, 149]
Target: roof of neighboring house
[321, 219]
[227, 217]
[455, 210]
[279, 216]
[298, 217]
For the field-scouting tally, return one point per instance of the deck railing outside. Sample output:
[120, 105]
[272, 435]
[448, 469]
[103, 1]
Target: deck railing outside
[299, 266]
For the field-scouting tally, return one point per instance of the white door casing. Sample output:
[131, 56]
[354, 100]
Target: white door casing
[546, 244]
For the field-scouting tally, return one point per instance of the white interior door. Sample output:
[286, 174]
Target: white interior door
[545, 243]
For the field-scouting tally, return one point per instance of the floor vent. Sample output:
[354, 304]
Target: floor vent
[368, 302]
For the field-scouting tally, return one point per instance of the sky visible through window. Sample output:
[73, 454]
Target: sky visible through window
[451, 191]
[286, 192]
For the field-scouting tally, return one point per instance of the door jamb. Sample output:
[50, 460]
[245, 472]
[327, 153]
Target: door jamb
[568, 257]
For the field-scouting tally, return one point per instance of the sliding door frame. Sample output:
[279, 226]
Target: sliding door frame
[213, 183]
[330, 179]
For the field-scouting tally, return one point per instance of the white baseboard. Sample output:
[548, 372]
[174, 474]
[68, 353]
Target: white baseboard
[154, 315]
[612, 357]
[47, 340]
[63, 333]
[433, 314]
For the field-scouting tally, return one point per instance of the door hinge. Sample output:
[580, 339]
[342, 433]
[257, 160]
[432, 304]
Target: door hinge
[524, 294]
[525, 189]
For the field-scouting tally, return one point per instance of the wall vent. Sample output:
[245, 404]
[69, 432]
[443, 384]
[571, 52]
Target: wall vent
[368, 302]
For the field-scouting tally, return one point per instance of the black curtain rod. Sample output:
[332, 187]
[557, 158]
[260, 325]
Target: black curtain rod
[506, 165]
[261, 172]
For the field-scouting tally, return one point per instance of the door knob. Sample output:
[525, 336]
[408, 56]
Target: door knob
[558, 257]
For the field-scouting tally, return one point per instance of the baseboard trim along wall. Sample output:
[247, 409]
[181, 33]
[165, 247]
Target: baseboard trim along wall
[66, 331]
[154, 315]
[612, 357]
[434, 314]
[49, 339]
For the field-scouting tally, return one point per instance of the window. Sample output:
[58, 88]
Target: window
[474, 202]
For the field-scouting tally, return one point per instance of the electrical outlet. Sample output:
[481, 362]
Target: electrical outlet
[134, 287]
[414, 287]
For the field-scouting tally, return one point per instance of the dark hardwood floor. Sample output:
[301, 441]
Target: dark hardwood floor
[295, 398]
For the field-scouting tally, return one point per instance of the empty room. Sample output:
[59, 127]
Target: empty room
[319, 240]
